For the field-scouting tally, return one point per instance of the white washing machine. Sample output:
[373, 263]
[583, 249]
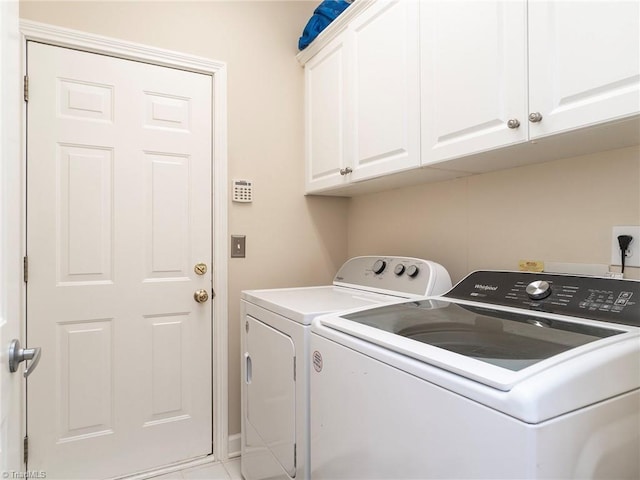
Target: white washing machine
[509, 375]
[275, 344]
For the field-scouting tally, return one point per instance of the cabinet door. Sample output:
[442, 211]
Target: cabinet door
[473, 79]
[385, 122]
[325, 117]
[584, 63]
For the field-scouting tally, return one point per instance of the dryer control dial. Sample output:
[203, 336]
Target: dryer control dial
[412, 270]
[538, 290]
[399, 270]
[379, 266]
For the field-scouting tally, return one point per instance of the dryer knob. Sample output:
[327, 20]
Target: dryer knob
[399, 270]
[538, 290]
[412, 270]
[379, 266]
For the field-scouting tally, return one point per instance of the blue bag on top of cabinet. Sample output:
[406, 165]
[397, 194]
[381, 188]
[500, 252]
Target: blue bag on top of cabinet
[323, 15]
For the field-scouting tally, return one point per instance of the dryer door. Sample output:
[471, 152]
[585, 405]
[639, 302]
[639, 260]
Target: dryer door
[270, 386]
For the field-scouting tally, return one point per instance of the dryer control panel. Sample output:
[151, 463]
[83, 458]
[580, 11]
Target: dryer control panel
[604, 299]
[403, 276]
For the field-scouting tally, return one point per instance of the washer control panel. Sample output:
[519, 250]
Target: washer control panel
[396, 275]
[604, 299]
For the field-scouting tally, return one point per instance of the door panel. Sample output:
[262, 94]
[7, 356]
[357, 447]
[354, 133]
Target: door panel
[85, 246]
[271, 398]
[119, 212]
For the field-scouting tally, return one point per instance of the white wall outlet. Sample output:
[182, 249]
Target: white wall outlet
[633, 254]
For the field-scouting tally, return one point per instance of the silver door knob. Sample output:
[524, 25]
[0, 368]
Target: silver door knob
[18, 355]
[535, 117]
[201, 296]
[513, 123]
[345, 171]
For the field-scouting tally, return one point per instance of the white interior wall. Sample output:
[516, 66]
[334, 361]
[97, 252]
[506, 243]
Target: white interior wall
[560, 211]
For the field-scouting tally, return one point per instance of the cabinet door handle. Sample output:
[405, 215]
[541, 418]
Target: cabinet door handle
[345, 171]
[535, 117]
[513, 123]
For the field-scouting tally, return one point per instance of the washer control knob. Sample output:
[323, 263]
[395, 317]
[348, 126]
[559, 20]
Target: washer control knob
[399, 270]
[379, 266]
[538, 290]
[412, 270]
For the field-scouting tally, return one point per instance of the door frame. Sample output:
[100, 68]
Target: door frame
[87, 42]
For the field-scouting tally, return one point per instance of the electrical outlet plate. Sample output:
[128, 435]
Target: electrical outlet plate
[633, 254]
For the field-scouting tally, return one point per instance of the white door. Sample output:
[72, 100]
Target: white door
[118, 214]
[584, 59]
[385, 83]
[474, 71]
[10, 272]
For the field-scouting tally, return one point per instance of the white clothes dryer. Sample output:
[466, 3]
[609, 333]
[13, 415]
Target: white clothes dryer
[276, 361]
[510, 375]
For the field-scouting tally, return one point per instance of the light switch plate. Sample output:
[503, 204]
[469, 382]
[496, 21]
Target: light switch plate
[632, 259]
[238, 246]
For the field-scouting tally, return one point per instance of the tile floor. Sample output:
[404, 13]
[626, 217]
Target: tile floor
[229, 470]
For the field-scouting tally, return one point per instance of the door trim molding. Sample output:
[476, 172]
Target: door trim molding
[88, 42]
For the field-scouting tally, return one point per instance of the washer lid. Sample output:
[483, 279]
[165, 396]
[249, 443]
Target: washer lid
[498, 347]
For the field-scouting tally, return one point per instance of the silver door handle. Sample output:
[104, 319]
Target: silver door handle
[18, 355]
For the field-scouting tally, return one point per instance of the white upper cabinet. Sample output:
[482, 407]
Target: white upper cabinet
[326, 117]
[385, 89]
[500, 72]
[474, 66]
[406, 91]
[362, 98]
[583, 63]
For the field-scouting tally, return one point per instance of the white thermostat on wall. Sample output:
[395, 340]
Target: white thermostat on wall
[242, 191]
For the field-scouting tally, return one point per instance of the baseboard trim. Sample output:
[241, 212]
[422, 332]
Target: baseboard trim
[175, 467]
[234, 445]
